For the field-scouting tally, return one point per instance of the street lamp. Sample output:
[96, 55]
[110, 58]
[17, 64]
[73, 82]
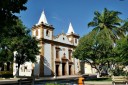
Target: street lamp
[33, 66]
[0, 71]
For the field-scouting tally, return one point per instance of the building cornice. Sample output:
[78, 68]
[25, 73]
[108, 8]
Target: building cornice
[74, 35]
[46, 26]
[57, 43]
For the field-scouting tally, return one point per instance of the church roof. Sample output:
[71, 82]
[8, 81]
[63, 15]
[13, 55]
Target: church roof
[70, 29]
[42, 19]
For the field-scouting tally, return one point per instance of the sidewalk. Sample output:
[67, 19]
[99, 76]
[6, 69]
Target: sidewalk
[8, 81]
[59, 77]
[72, 78]
[98, 82]
[13, 81]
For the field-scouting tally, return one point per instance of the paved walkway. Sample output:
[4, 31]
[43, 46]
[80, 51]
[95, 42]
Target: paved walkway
[98, 82]
[73, 77]
[59, 77]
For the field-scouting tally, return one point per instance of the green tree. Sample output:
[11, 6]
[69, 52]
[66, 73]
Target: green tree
[6, 51]
[121, 58]
[125, 26]
[21, 42]
[26, 49]
[122, 51]
[14, 35]
[8, 8]
[96, 53]
[96, 48]
[25, 46]
[109, 22]
[8, 21]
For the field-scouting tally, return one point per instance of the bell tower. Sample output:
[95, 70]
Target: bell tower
[72, 36]
[43, 30]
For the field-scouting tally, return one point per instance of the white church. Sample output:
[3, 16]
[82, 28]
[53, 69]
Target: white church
[55, 58]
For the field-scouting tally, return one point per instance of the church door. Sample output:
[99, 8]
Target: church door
[70, 69]
[63, 68]
[57, 70]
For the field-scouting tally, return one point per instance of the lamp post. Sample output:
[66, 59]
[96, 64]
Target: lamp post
[33, 77]
[0, 71]
[33, 66]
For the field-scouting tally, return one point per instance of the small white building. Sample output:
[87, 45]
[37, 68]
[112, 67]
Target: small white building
[88, 69]
[55, 56]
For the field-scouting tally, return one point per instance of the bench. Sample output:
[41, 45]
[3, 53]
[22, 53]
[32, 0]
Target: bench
[119, 79]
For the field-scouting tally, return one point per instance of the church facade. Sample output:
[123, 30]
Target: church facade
[55, 58]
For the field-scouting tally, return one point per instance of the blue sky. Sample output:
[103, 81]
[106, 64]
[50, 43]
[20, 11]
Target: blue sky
[60, 12]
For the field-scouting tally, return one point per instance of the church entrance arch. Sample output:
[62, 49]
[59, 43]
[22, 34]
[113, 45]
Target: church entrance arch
[57, 68]
[63, 68]
[70, 69]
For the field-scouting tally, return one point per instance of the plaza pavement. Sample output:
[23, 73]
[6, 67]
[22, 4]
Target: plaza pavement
[98, 82]
[61, 78]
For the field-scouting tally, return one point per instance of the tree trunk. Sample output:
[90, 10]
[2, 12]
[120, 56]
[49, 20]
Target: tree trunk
[17, 73]
[98, 71]
[98, 74]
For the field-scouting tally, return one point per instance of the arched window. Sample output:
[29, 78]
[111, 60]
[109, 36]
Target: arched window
[57, 52]
[63, 38]
[75, 40]
[47, 32]
[37, 32]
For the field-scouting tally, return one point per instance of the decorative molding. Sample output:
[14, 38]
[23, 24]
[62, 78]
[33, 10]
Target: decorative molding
[57, 43]
[74, 35]
[45, 26]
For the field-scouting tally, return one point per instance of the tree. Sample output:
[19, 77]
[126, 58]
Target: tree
[14, 35]
[96, 53]
[25, 46]
[8, 18]
[109, 22]
[121, 58]
[26, 49]
[8, 8]
[19, 41]
[8, 21]
[122, 51]
[96, 48]
[125, 26]
[18, 30]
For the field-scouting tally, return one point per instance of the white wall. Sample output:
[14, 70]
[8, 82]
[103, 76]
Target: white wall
[22, 70]
[89, 69]
[62, 38]
[47, 59]
[37, 66]
[25, 72]
[77, 65]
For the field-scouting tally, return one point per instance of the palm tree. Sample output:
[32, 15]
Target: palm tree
[108, 29]
[125, 26]
[107, 22]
